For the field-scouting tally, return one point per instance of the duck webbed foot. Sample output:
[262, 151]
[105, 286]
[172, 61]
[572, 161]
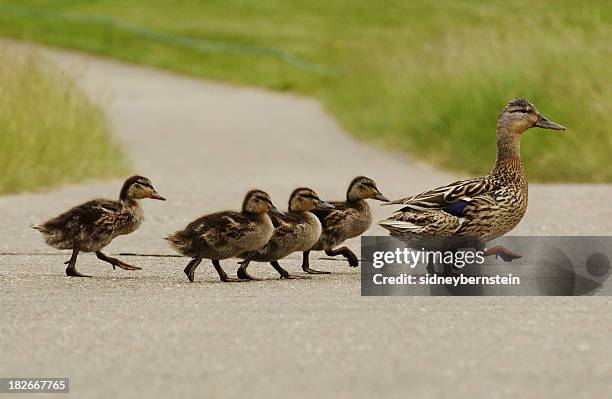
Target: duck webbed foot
[242, 271]
[284, 273]
[223, 276]
[506, 254]
[450, 270]
[116, 262]
[191, 266]
[306, 265]
[347, 253]
[71, 270]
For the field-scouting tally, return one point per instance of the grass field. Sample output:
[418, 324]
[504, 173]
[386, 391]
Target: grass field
[50, 132]
[424, 77]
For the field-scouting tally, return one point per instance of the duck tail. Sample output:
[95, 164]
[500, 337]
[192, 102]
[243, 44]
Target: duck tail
[181, 243]
[42, 228]
[400, 227]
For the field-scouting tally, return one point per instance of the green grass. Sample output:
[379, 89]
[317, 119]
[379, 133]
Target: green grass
[425, 77]
[50, 132]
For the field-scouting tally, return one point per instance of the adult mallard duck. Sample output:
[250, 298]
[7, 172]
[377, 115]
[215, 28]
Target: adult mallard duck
[483, 208]
[226, 234]
[348, 219]
[91, 226]
[297, 230]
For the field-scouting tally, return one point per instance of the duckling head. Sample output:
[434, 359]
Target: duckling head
[520, 115]
[139, 187]
[304, 199]
[259, 202]
[363, 188]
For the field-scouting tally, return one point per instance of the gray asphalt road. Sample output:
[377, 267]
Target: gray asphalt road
[150, 333]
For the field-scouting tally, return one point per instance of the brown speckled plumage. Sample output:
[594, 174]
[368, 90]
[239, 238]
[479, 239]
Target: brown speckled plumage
[348, 219]
[91, 226]
[482, 208]
[227, 234]
[297, 230]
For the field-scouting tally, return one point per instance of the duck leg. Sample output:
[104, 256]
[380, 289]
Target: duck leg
[222, 275]
[71, 270]
[306, 265]
[347, 253]
[449, 267]
[191, 266]
[242, 271]
[431, 269]
[284, 273]
[116, 262]
[506, 254]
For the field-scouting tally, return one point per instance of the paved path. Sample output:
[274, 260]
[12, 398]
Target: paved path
[152, 334]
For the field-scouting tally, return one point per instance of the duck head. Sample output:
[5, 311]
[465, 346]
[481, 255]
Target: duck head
[520, 115]
[259, 202]
[139, 187]
[304, 199]
[363, 188]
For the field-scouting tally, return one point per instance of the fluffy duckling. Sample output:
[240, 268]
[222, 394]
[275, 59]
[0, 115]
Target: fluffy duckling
[297, 230]
[91, 226]
[226, 234]
[348, 219]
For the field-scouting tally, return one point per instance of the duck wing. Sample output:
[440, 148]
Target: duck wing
[86, 216]
[453, 197]
[470, 216]
[333, 218]
[218, 229]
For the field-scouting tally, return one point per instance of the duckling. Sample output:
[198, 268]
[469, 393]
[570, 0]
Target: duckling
[297, 230]
[348, 219]
[483, 208]
[226, 234]
[91, 226]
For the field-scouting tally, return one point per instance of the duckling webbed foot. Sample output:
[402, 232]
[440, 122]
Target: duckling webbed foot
[115, 262]
[71, 270]
[242, 271]
[306, 265]
[347, 253]
[506, 254]
[223, 276]
[284, 273]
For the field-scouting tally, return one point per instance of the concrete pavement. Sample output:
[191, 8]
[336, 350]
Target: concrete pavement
[151, 333]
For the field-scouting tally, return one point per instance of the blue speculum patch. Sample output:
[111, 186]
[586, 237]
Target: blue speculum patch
[456, 209]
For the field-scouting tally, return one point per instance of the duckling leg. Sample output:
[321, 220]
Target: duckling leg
[71, 270]
[242, 271]
[284, 273]
[191, 266]
[506, 254]
[306, 265]
[347, 253]
[222, 275]
[116, 262]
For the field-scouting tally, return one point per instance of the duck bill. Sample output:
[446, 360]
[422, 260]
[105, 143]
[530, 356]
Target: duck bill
[156, 196]
[546, 124]
[380, 197]
[324, 205]
[276, 211]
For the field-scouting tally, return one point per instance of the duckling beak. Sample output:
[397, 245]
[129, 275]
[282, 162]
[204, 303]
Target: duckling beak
[380, 197]
[546, 124]
[324, 205]
[275, 210]
[156, 196]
